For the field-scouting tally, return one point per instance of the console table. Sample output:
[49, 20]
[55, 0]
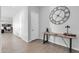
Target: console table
[63, 35]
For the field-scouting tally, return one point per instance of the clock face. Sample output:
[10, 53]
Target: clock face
[59, 15]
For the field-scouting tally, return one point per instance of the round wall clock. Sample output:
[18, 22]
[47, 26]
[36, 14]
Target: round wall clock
[59, 15]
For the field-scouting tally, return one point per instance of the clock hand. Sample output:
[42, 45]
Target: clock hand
[60, 17]
[56, 17]
[60, 12]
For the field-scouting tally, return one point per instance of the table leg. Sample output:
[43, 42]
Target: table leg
[44, 39]
[70, 49]
[47, 38]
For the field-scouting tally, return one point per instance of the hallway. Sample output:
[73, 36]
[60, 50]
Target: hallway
[13, 44]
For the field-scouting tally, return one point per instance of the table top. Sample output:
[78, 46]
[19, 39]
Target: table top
[64, 35]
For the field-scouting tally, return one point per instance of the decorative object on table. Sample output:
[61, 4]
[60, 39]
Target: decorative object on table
[67, 28]
[59, 15]
[47, 30]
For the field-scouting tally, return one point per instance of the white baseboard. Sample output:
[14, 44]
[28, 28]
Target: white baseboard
[20, 37]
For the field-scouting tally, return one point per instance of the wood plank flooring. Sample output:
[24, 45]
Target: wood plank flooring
[13, 44]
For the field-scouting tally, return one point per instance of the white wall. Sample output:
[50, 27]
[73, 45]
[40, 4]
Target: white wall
[73, 22]
[20, 24]
[26, 23]
[16, 25]
[6, 20]
[43, 19]
[10, 11]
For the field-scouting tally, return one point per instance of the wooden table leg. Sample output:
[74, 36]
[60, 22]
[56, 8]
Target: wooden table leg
[70, 49]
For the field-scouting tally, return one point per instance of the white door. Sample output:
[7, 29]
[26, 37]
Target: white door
[34, 25]
[0, 32]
